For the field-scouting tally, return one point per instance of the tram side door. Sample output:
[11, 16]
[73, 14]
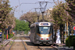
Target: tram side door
[52, 34]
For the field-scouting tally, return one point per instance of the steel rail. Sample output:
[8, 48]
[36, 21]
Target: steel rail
[11, 45]
[45, 48]
[41, 48]
[23, 44]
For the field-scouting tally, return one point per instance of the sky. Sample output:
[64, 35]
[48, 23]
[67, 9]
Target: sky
[24, 8]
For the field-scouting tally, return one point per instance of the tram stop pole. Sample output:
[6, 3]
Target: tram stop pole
[74, 29]
[7, 35]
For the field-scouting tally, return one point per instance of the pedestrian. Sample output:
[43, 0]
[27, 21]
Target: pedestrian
[58, 37]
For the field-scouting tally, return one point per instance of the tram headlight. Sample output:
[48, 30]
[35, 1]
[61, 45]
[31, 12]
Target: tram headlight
[41, 38]
[47, 39]
[44, 38]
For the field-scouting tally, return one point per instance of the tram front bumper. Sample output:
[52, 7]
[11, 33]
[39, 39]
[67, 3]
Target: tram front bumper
[43, 42]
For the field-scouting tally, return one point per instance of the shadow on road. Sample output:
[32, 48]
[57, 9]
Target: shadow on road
[58, 48]
[32, 44]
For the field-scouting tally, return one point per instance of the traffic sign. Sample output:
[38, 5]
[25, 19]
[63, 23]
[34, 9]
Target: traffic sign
[74, 28]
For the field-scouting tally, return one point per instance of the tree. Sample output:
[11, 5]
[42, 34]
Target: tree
[30, 17]
[71, 8]
[60, 17]
[21, 25]
[4, 11]
[71, 11]
[10, 22]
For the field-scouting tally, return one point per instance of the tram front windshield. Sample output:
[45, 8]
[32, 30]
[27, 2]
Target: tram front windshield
[44, 30]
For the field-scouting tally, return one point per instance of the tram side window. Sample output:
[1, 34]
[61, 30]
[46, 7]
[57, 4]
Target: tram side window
[33, 29]
[51, 29]
[37, 29]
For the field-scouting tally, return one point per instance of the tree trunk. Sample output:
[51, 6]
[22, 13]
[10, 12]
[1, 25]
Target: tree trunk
[55, 30]
[62, 33]
[2, 35]
[55, 34]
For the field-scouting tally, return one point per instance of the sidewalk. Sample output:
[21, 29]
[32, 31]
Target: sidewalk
[64, 47]
[5, 42]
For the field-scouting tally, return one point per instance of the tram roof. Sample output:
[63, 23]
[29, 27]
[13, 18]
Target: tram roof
[37, 23]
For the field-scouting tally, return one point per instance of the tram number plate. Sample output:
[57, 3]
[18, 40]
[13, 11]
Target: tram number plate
[44, 38]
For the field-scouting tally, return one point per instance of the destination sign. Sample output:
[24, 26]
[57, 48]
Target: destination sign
[44, 24]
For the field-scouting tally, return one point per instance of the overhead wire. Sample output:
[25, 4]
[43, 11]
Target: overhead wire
[34, 3]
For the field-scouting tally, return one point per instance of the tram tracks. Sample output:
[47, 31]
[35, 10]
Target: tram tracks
[18, 45]
[47, 48]
[41, 48]
[29, 45]
[23, 44]
[11, 45]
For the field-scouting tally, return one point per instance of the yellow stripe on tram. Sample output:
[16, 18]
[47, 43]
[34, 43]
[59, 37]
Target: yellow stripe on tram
[42, 35]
